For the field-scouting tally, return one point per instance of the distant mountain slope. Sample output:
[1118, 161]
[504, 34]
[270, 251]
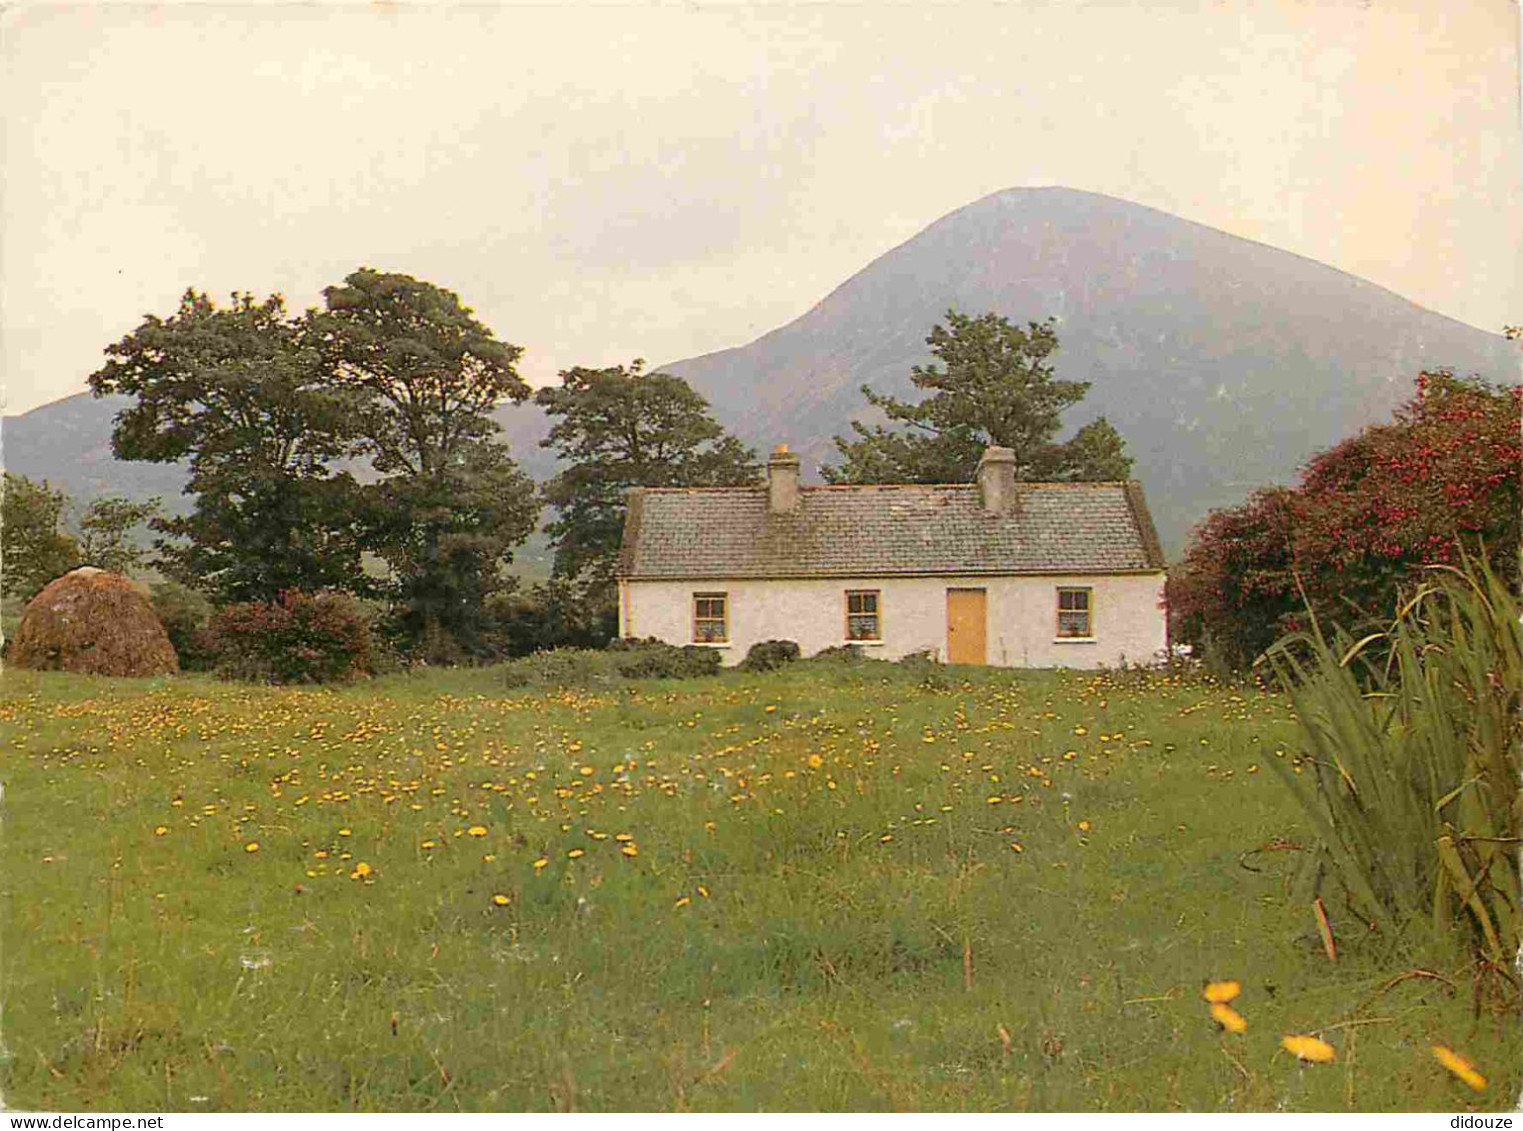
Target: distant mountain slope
[1223, 362]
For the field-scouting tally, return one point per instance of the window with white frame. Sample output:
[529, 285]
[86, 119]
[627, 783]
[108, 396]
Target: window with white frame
[711, 618]
[1075, 613]
[862, 616]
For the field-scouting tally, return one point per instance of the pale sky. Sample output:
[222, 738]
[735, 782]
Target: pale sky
[601, 182]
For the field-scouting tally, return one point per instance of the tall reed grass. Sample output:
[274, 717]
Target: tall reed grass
[1413, 736]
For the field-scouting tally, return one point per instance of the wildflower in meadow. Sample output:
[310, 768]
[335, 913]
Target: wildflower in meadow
[251, 846]
[1307, 1048]
[476, 830]
[1221, 991]
[1228, 1018]
[1460, 1066]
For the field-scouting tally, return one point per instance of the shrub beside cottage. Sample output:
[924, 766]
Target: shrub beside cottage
[993, 572]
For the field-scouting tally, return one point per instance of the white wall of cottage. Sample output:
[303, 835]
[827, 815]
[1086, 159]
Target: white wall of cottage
[1127, 611]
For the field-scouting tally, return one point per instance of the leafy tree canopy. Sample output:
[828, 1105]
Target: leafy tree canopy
[106, 532]
[34, 549]
[446, 537]
[618, 428]
[992, 383]
[240, 393]
[426, 374]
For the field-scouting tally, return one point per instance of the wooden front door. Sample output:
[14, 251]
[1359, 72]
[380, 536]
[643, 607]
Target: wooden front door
[966, 611]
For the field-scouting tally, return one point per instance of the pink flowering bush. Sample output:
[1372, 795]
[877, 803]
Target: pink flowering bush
[298, 638]
[1368, 515]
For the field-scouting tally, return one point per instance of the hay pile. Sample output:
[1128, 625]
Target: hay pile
[95, 623]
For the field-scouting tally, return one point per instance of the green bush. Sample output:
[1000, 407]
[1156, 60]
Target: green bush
[185, 615]
[766, 655]
[551, 615]
[1413, 740]
[655, 659]
[561, 667]
[841, 654]
[299, 638]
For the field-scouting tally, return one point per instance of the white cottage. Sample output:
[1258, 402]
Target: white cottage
[993, 572]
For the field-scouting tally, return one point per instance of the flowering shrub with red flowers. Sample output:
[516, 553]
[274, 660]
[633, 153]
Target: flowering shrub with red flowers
[298, 638]
[1368, 515]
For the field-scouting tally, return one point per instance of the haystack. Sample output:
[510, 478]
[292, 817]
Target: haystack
[95, 623]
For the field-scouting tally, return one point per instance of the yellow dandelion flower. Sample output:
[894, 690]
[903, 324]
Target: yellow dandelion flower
[161, 830]
[501, 900]
[1460, 1066]
[251, 846]
[703, 891]
[996, 799]
[1308, 1048]
[1081, 731]
[361, 869]
[1016, 845]
[345, 832]
[1228, 1018]
[623, 838]
[683, 902]
[815, 761]
[476, 830]
[1084, 826]
[630, 850]
[885, 838]
[542, 862]
[1221, 991]
[587, 771]
[577, 853]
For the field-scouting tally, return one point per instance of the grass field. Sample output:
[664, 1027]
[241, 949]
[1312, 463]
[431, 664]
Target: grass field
[833, 887]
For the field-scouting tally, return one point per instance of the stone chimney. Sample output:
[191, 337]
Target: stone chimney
[996, 480]
[782, 480]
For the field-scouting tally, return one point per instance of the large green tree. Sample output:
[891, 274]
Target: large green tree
[424, 375]
[992, 383]
[240, 393]
[34, 547]
[617, 428]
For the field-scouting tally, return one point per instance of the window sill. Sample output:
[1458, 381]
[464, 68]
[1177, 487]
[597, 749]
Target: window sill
[1075, 640]
[707, 644]
[861, 644]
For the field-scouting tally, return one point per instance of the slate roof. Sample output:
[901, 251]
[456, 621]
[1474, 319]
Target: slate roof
[887, 530]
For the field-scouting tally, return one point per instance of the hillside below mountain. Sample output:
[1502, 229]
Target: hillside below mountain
[1224, 363]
